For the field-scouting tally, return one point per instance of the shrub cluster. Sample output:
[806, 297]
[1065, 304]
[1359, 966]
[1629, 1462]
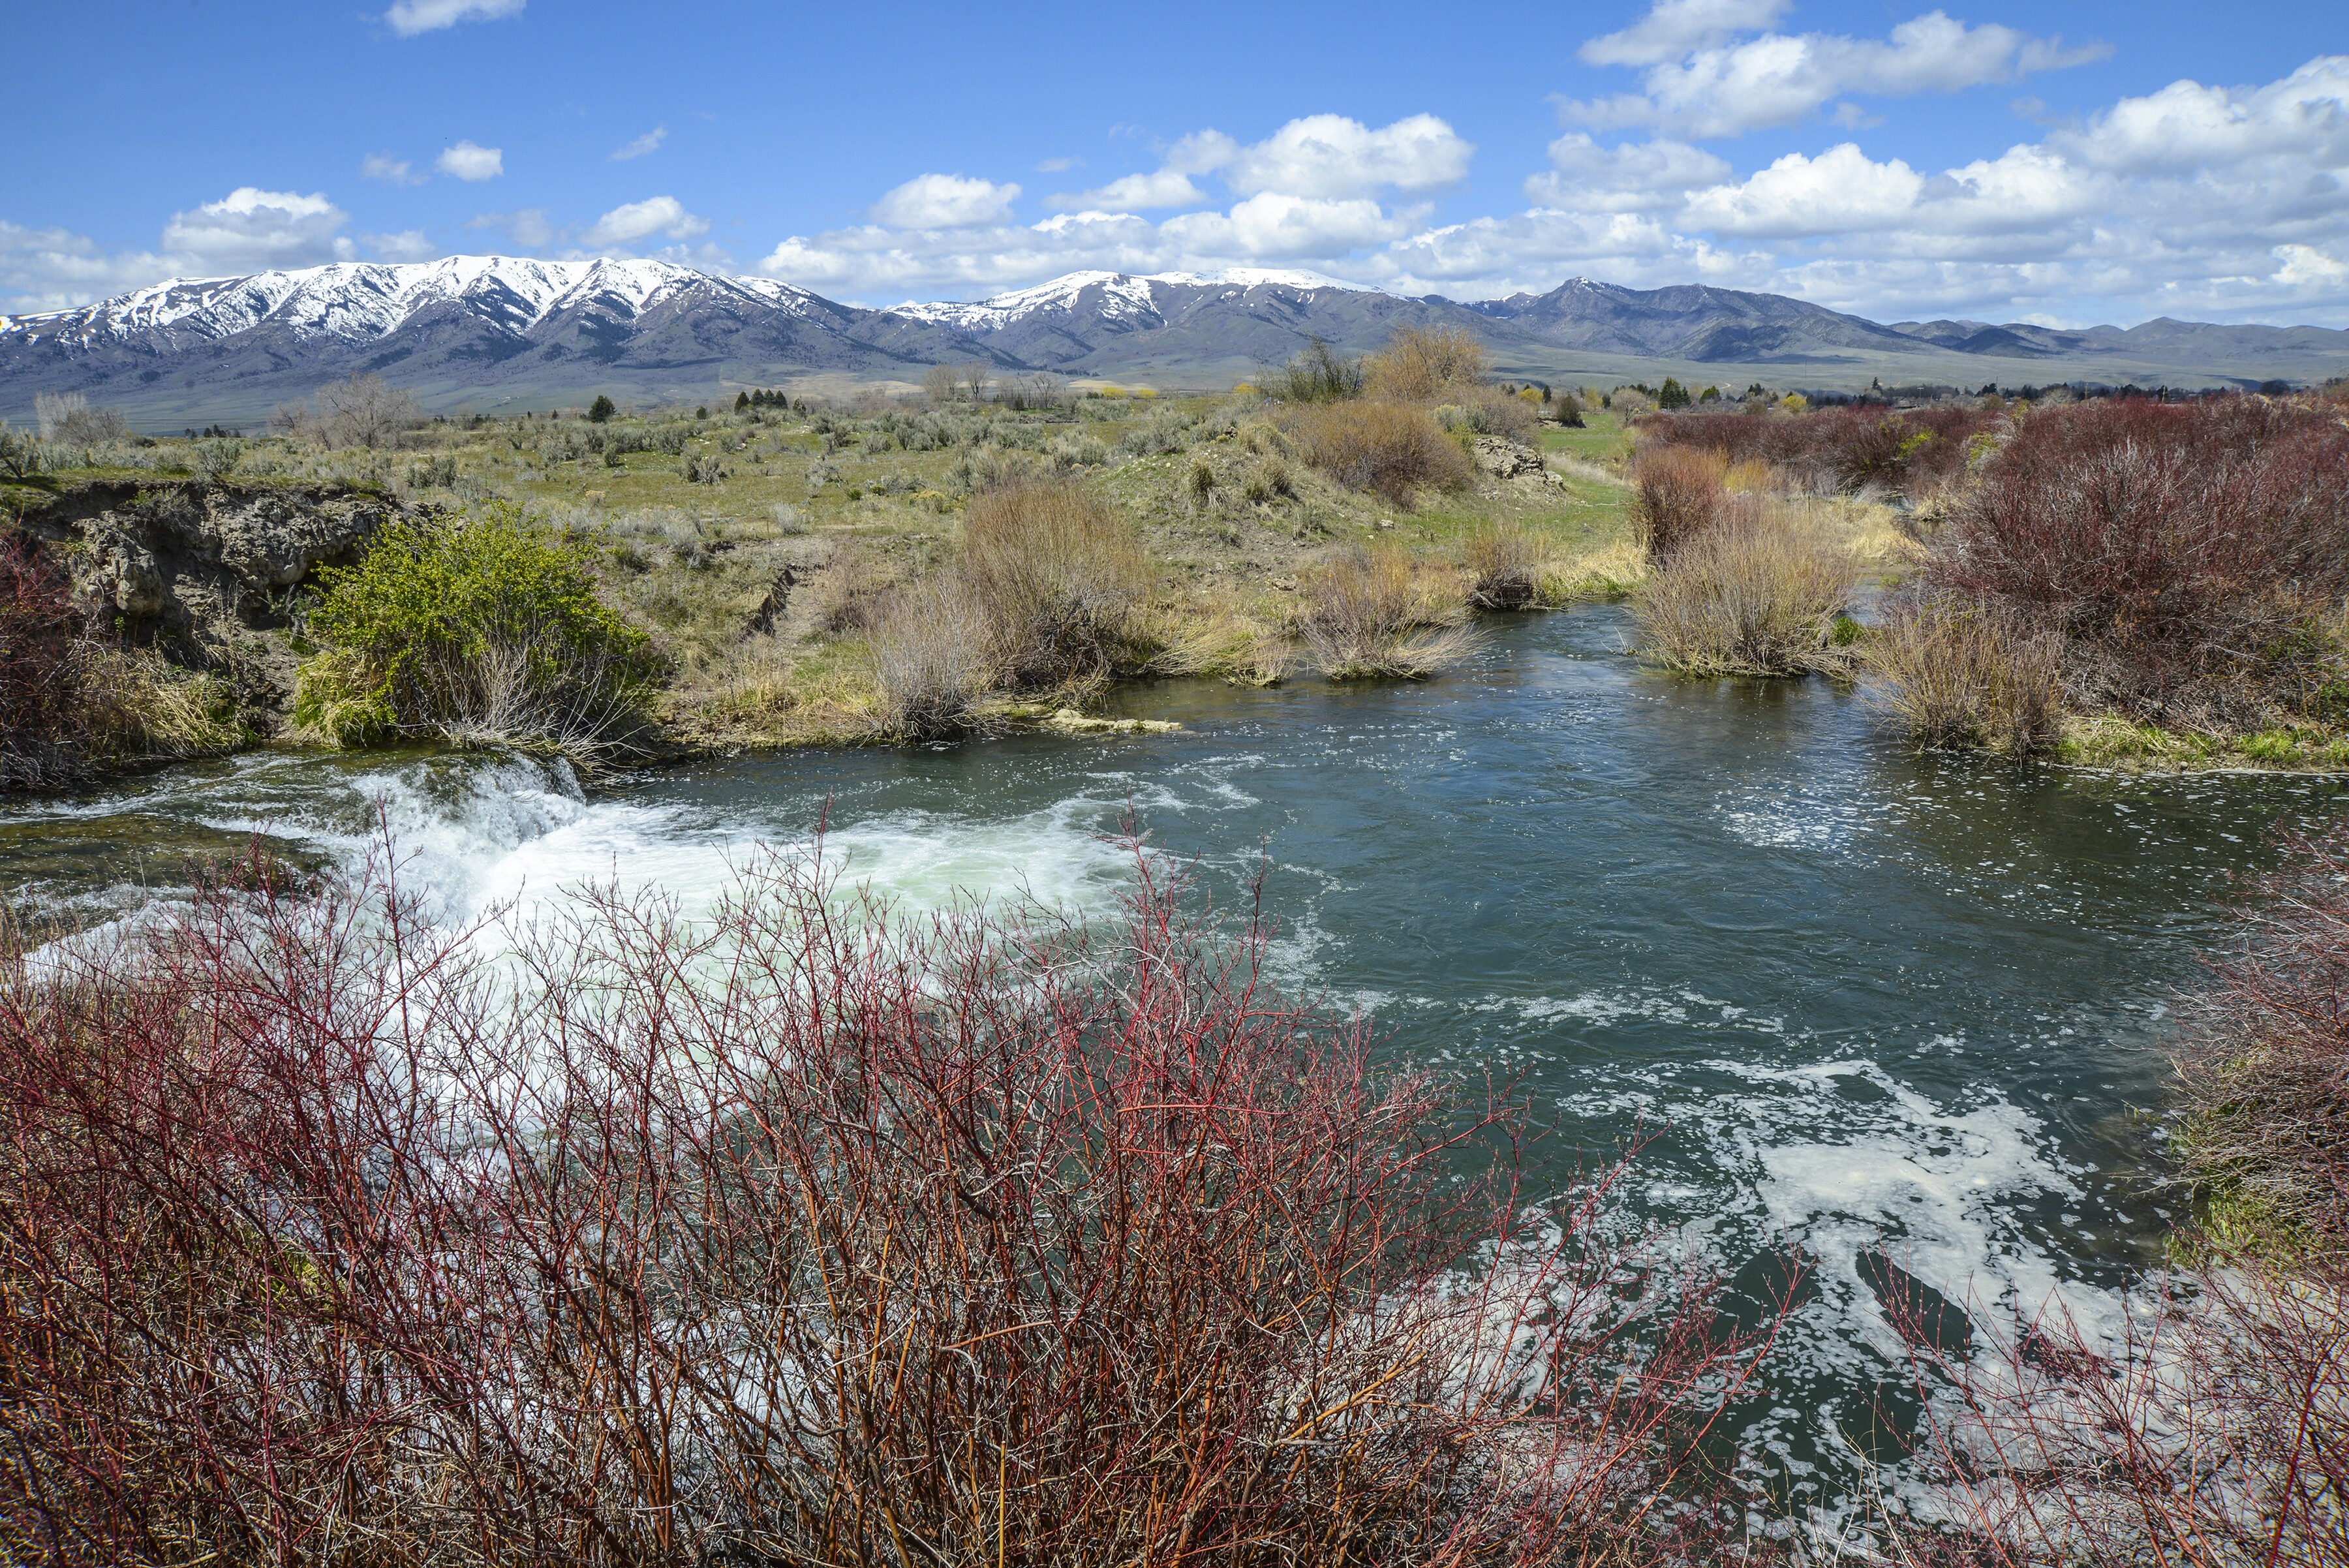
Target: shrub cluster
[1049, 596]
[1841, 448]
[1425, 365]
[1752, 593]
[1365, 617]
[799, 1235]
[474, 628]
[1955, 673]
[1504, 566]
[2187, 555]
[1058, 577]
[1676, 493]
[1388, 449]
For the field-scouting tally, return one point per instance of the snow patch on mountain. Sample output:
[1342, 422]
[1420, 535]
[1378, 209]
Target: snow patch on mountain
[1122, 295]
[363, 301]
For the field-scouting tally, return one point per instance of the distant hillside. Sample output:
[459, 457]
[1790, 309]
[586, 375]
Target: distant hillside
[498, 332]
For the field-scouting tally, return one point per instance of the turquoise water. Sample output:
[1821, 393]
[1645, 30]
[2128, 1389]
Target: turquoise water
[1858, 1002]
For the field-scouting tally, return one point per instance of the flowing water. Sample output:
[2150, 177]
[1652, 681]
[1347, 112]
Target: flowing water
[1867, 1007]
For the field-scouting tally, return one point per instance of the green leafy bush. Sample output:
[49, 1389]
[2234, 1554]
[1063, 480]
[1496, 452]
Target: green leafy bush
[474, 628]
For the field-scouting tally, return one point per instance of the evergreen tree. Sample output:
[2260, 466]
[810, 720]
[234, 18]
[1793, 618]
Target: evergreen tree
[601, 409]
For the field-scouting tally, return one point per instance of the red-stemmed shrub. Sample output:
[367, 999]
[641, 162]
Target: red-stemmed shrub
[1676, 493]
[2208, 1427]
[2184, 552]
[801, 1234]
[2204, 1420]
[1844, 448]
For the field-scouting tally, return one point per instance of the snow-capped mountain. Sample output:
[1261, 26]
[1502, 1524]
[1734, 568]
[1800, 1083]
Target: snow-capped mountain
[504, 333]
[359, 302]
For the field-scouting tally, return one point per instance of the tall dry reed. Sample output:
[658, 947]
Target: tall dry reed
[1754, 594]
[1953, 674]
[1365, 616]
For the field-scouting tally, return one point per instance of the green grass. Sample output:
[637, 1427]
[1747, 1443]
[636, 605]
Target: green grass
[2109, 741]
[691, 563]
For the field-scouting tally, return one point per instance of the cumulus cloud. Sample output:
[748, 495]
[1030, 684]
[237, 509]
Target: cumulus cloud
[391, 171]
[1318, 187]
[1324, 157]
[410, 17]
[1137, 193]
[1840, 192]
[466, 161]
[54, 269]
[252, 230]
[1705, 80]
[1638, 177]
[1329, 156]
[648, 142]
[636, 222]
[1676, 27]
[945, 202]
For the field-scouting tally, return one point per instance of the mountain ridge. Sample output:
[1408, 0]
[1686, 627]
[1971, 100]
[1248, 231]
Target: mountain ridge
[498, 331]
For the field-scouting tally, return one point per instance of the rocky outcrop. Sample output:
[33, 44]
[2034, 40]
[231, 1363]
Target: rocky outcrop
[207, 572]
[1505, 459]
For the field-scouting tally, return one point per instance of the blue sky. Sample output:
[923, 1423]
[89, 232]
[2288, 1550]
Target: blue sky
[2075, 164]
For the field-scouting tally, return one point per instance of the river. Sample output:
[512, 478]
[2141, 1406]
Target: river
[1859, 1002]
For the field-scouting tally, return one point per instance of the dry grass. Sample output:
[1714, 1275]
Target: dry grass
[1756, 594]
[1365, 617]
[1218, 639]
[1953, 675]
[1388, 449]
[1425, 365]
[850, 591]
[929, 663]
[1611, 572]
[1058, 578]
[1504, 566]
[1676, 494]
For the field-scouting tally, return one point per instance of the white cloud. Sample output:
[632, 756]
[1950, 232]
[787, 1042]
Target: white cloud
[54, 269]
[1639, 177]
[392, 171]
[410, 17]
[1328, 155]
[648, 142]
[1137, 193]
[1058, 165]
[1278, 226]
[466, 161]
[1701, 84]
[408, 245]
[1675, 27]
[2305, 266]
[252, 230]
[945, 202]
[636, 221]
[1839, 191]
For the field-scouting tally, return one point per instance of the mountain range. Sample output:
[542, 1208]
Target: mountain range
[504, 334]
